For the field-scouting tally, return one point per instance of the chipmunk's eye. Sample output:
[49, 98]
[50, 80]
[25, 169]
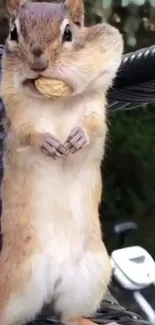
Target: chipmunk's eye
[67, 36]
[14, 34]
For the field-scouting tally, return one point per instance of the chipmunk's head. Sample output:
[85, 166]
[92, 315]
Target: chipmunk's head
[50, 40]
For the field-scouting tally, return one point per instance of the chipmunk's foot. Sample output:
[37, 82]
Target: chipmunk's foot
[52, 147]
[75, 141]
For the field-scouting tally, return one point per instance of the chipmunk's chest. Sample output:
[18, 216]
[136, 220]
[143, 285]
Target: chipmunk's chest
[59, 120]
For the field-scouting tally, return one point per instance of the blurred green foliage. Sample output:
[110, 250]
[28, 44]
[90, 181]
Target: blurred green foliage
[129, 172]
[130, 164]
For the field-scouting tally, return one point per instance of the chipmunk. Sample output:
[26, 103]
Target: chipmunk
[51, 189]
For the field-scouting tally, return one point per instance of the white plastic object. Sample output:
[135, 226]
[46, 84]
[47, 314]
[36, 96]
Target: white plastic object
[133, 267]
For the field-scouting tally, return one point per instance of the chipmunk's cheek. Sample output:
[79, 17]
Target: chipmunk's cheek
[62, 73]
[69, 76]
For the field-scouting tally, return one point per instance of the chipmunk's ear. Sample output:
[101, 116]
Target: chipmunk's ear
[13, 6]
[76, 11]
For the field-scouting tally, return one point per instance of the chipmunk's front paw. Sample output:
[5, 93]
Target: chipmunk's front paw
[52, 146]
[76, 140]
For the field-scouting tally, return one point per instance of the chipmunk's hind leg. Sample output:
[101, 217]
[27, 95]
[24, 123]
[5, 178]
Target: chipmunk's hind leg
[18, 312]
[23, 291]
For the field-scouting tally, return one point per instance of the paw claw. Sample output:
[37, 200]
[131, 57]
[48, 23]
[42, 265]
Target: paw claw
[75, 141]
[52, 147]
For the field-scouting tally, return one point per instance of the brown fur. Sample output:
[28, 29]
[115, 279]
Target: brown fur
[76, 10]
[50, 208]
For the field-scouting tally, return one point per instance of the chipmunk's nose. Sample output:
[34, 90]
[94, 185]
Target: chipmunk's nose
[38, 66]
[38, 60]
[37, 51]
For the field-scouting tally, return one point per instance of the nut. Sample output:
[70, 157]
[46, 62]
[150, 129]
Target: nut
[52, 88]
